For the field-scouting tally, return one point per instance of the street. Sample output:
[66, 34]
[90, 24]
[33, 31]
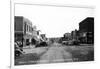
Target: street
[56, 52]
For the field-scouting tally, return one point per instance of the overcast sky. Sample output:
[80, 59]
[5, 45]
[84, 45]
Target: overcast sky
[53, 21]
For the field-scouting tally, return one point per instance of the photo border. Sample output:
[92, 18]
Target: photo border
[12, 14]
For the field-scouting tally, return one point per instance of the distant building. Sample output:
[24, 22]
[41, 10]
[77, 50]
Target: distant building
[86, 30]
[54, 39]
[75, 34]
[67, 36]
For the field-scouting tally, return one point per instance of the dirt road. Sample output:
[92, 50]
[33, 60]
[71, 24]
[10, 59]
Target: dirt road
[56, 53]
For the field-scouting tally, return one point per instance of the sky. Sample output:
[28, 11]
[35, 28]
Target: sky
[52, 20]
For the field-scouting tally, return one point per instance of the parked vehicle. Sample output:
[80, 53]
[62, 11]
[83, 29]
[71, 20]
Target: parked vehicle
[27, 43]
[67, 42]
[42, 44]
[75, 42]
[20, 44]
[18, 50]
[71, 42]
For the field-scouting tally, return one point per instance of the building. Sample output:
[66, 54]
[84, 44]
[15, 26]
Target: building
[18, 28]
[23, 30]
[75, 34]
[67, 36]
[35, 35]
[86, 30]
[43, 37]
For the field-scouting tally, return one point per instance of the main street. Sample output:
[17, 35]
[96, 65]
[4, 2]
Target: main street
[55, 52]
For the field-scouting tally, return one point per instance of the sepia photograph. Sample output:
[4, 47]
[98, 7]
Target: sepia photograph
[46, 34]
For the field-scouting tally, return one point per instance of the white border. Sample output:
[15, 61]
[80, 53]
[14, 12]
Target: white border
[12, 34]
[12, 12]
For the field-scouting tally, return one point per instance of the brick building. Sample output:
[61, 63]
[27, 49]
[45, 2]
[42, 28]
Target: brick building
[23, 30]
[86, 30]
[75, 34]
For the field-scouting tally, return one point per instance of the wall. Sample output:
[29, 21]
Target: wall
[87, 25]
[18, 24]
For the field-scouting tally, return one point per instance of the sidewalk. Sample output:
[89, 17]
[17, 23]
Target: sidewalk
[86, 44]
[32, 49]
[29, 47]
